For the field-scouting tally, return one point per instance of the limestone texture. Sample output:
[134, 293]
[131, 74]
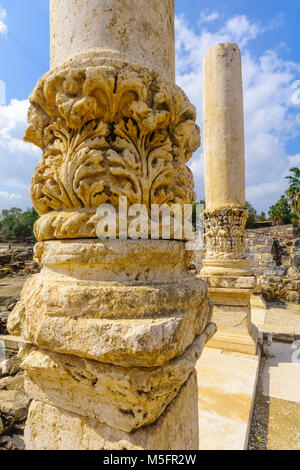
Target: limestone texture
[124, 398]
[141, 33]
[274, 254]
[128, 323]
[223, 127]
[51, 428]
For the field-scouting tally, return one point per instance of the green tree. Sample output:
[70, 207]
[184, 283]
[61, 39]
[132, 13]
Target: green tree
[280, 212]
[24, 225]
[262, 217]
[252, 215]
[16, 224]
[293, 191]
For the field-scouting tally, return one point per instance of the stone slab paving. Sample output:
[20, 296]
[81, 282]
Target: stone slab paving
[277, 318]
[276, 418]
[284, 425]
[283, 318]
[226, 387]
[281, 372]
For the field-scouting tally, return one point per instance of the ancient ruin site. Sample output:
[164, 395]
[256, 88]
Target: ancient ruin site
[149, 280]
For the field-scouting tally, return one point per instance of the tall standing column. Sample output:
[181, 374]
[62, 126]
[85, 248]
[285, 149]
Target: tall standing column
[226, 269]
[114, 326]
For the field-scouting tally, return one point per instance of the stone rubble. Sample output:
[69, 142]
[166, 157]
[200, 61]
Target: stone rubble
[14, 405]
[17, 260]
[3, 323]
[276, 261]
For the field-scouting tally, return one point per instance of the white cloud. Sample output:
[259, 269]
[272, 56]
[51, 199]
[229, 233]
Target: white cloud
[270, 116]
[3, 27]
[209, 17]
[241, 30]
[191, 47]
[197, 165]
[295, 160]
[17, 158]
[9, 196]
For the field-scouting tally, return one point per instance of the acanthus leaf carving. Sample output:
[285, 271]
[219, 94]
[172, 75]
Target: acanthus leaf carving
[224, 233]
[107, 132]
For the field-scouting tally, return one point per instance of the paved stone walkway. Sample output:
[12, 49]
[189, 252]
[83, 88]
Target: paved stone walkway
[226, 384]
[276, 417]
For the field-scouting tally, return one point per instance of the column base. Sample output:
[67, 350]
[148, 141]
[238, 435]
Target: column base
[231, 295]
[51, 428]
[234, 340]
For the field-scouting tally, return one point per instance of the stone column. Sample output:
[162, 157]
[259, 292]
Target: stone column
[226, 269]
[114, 327]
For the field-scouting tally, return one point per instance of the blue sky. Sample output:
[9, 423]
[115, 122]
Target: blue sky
[267, 32]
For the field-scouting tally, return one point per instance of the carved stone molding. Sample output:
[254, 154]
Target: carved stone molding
[107, 129]
[224, 233]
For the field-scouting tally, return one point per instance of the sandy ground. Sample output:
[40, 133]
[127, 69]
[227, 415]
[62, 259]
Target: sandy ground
[11, 286]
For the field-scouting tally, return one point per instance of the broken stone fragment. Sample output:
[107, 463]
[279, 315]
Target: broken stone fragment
[13, 383]
[5, 367]
[6, 443]
[15, 362]
[3, 322]
[10, 366]
[18, 442]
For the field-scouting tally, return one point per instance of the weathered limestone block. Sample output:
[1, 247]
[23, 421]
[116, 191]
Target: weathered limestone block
[123, 398]
[51, 428]
[124, 322]
[226, 282]
[231, 316]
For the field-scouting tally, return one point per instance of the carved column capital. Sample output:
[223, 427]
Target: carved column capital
[224, 233]
[107, 129]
